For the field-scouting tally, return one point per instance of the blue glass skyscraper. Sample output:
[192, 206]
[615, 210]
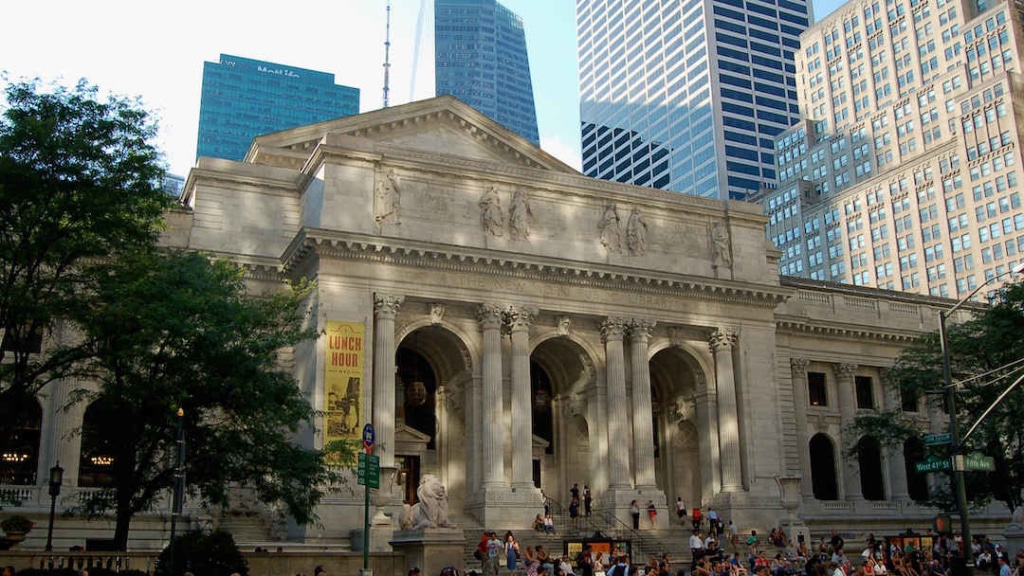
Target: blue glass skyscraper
[244, 98]
[480, 58]
[687, 95]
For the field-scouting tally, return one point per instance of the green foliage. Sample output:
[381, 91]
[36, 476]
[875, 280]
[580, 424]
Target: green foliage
[174, 329]
[79, 180]
[202, 554]
[986, 354]
[17, 523]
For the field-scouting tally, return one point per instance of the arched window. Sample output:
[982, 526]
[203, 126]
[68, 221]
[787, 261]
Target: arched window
[869, 457]
[99, 429]
[540, 401]
[415, 390]
[823, 468]
[917, 483]
[19, 448]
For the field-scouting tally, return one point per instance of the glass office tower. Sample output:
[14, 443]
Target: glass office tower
[687, 95]
[244, 98]
[480, 58]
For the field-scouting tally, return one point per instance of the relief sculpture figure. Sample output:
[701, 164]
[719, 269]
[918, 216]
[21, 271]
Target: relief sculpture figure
[720, 249]
[611, 229]
[491, 214]
[520, 216]
[636, 233]
[387, 198]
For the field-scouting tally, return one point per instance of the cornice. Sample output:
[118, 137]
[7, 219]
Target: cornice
[342, 246]
[834, 330]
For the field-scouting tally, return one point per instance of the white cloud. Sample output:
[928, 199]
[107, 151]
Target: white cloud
[568, 152]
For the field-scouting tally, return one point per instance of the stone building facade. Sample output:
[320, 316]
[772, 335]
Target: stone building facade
[528, 328]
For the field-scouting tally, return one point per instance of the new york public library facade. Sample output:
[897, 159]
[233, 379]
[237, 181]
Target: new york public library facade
[511, 327]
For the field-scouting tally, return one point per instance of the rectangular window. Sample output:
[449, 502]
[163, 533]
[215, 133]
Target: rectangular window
[816, 389]
[865, 394]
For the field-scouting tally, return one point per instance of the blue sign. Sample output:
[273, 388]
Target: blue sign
[368, 437]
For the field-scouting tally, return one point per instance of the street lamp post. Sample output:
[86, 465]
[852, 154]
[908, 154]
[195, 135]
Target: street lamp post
[177, 502]
[954, 426]
[56, 479]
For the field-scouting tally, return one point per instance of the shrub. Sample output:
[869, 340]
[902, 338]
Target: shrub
[213, 554]
[16, 523]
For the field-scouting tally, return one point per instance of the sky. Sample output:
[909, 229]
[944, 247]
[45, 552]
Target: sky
[156, 50]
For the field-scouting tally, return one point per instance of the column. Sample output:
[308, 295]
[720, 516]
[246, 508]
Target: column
[848, 413]
[897, 462]
[385, 308]
[490, 318]
[643, 434]
[615, 376]
[707, 439]
[519, 319]
[722, 343]
[798, 368]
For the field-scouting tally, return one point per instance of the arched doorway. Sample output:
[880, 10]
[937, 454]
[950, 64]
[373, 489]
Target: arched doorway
[674, 377]
[561, 386]
[19, 447]
[823, 467]
[430, 428]
[869, 459]
[917, 483]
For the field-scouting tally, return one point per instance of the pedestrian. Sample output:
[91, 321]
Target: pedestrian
[494, 551]
[696, 518]
[511, 551]
[680, 509]
[588, 500]
[652, 513]
[634, 511]
[574, 513]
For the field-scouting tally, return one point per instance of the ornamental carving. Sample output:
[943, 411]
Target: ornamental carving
[519, 317]
[722, 339]
[564, 323]
[612, 329]
[490, 315]
[387, 197]
[845, 370]
[640, 329]
[385, 305]
[437, 311]
[677, 336]
[610, 228]
[721, 245]
[799, 365]
[636, 233]
[492, 216]
[520, 215]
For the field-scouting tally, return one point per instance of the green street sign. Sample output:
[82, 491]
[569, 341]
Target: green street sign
[368, 472]
[932, 465]
[938, 439]
[976, 461]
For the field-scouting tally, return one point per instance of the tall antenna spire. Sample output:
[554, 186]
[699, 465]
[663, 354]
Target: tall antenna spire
[387, 56]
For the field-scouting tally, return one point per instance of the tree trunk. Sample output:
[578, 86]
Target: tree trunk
[124, 519]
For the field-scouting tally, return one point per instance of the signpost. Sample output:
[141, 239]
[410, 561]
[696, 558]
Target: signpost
[368, 476]
[938, 439]
[976, 461]
[932, 465]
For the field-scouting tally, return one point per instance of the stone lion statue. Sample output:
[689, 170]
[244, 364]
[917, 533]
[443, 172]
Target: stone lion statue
[432, 509]
[1017, 519]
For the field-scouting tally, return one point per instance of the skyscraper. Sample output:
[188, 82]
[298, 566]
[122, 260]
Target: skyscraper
[480, 58]
[687, 95]
[244, 98]
[906, 173]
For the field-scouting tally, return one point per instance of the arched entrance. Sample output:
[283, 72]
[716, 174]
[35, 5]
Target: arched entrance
[917, 483]
[869, 458]
[674, 377]
[432, 371]
[562, 386]
[823, 467]
[19, 448]
[99, 434]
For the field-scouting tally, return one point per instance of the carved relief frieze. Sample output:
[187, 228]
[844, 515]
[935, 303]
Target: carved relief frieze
[437, 311]
[520, 215]
[563, 325]
[492, 215]
[636, 233]
[610, 229]
[387, 197]
[721, 245]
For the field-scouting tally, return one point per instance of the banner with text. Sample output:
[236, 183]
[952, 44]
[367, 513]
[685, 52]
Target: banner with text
[343, 381]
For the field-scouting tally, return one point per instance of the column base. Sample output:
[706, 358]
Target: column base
[431, 549]
[506, 508]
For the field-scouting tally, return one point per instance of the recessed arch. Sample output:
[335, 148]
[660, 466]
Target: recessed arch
[869, 459]
[100, 432]
[823, 467]
[917, 483]
[19, 448]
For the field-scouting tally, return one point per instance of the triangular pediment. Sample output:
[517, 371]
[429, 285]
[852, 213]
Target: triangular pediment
[442, 126]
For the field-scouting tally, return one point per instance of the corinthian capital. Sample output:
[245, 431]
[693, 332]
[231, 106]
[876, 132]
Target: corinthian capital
[519, 317]
[640, 329]
[386, 305]
[490, 315]
[722, 339]
[799, 365]
[845, 370]
[612, 328]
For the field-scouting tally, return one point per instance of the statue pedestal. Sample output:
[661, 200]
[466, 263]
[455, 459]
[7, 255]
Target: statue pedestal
[1014, 535]
[431, 549]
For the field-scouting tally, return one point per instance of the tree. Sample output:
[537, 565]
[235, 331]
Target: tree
[174, 329]
[79, 180]
[986, 354]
